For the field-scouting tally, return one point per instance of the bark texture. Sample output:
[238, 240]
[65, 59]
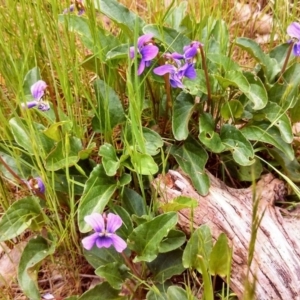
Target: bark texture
[276, 262]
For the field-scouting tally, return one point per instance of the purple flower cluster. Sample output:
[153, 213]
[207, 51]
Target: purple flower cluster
[37, 92]
[78, 5]
[294, 31]
[105, 228]
[177, 65]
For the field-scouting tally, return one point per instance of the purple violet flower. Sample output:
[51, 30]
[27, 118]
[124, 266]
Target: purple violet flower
[37, 91]
[190, 52]
[146, 50]
[177, 73]
[105, 228]
[78, 5]
[294, 31]
[36, 184]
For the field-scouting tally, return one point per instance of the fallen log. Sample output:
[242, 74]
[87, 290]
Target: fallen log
[276, 261]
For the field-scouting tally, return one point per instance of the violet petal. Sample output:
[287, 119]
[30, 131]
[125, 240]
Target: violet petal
[296, 49]
[114, 222]
[293, 30]
[144, 39]
[38, 89]
[131, 52]
[141, 67]
[149, 52]
[176, 55]
[96, 221]
[29, 104]
[40, 184]
[191, 52]
[104, 241]
[162, 70]
[89, 241]
[190, 72]
[118, 243]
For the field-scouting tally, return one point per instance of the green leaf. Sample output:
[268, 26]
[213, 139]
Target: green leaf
[97, 192]
[179, 203]
[207, 134]
[279, 53]
[198, 85]
[21, 167]
[238, 144]
[219, 38]
[174, 240]
[34, 252]
[105, 290]
[269, 65]
[254, 90]
[143, 164]
[110, 160]
[114, 273]
[19, 217]
[182, 110]
[257, 90]
[192, 159]
[224, 62]
[291, 168]
[121, 15]
[119, 52]
[176, 14]
[110, 111]
[220, 257]
[166, 265]
[133, 203]
[274, 113]
[54, 130]
[243, 173]
[176, 292]
[232, 109]
[146, 238]
[65, 154]
[174, 40]
[285, 93]
[23, 136]
[200, 243]
[266, 133]
[151, 140]
[98, 257]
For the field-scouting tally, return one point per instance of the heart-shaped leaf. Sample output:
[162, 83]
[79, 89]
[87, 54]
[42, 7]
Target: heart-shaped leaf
[192, 159]
[182, 110]
[146, 238]
[19, 217]
[34, 252]
[236, 142]
[97, 192]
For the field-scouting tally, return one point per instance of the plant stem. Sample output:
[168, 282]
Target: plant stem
[169, 101]
[286, 61]
[204, 66]
[19, 180]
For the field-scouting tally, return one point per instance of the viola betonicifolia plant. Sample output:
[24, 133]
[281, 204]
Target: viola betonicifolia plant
[147, 98]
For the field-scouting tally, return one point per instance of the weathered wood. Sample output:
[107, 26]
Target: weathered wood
[276, 262]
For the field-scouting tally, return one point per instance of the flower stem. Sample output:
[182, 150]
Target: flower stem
[286, 61]
[131, 266]
[204, 66]
[169, 101]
